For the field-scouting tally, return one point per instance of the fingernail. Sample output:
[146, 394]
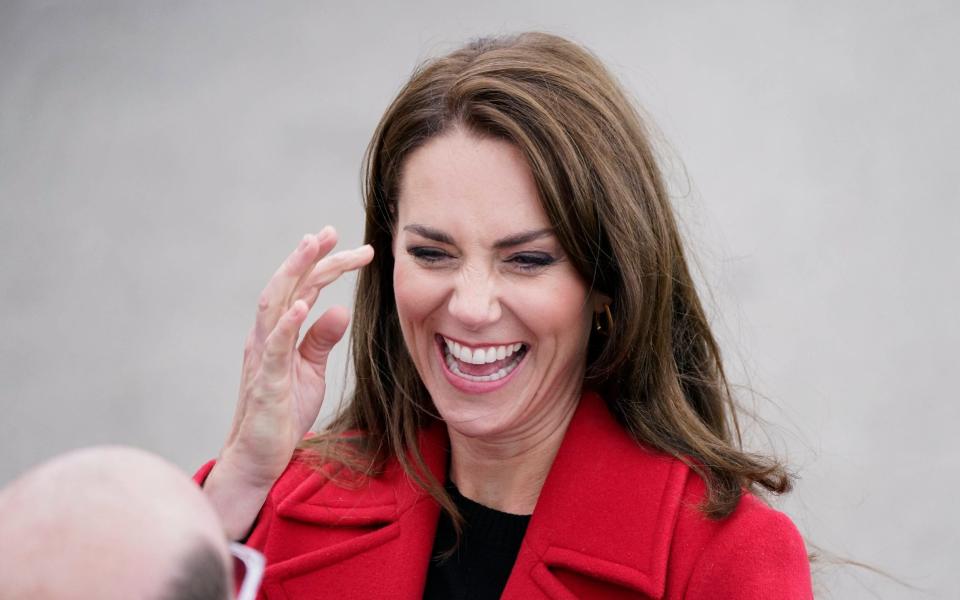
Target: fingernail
[326, 231]
[304, 242]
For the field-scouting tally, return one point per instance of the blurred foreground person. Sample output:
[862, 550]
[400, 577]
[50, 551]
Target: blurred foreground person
[110, 522]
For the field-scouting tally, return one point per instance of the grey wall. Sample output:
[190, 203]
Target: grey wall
[157, 160]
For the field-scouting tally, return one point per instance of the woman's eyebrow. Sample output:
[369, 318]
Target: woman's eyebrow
[522, 238]
[430, 233]
[506, 242]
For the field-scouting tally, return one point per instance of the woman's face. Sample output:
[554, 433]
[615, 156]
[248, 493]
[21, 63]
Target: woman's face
[493, 313]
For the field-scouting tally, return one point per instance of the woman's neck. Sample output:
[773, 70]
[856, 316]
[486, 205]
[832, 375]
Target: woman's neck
[507, 473]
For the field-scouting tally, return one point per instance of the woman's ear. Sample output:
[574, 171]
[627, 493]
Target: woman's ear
[599, 301]
[602, 317]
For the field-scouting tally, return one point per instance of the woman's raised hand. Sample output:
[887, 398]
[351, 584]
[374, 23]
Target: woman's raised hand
[282, 384]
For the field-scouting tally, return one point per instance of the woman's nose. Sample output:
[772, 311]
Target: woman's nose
[474, 302]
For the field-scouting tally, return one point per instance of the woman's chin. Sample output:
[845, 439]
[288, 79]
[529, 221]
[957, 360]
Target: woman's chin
[473, 416]
[474, 427]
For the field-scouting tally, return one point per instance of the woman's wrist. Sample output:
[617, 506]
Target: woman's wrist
[236, 498]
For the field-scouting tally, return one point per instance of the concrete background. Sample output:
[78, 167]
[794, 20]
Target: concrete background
[158, 160]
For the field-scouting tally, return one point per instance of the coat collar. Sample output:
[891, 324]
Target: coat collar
[607, 509]
[606, 513]
[315, 498]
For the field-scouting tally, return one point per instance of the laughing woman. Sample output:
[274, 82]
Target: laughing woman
[540, 407]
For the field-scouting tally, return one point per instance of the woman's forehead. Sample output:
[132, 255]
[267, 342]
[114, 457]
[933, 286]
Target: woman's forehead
[462, 181]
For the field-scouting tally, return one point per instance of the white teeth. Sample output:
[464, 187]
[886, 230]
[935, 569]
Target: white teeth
[453, 365]
[457, 354]
[481, 356]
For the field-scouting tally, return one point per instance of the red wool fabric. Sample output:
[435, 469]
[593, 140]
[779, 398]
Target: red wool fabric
[614, 520]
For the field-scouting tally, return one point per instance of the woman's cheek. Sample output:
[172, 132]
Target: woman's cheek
[402, 287]
[413, 293]
[555, 307]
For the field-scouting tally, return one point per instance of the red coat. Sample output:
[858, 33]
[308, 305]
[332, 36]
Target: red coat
[614, 520]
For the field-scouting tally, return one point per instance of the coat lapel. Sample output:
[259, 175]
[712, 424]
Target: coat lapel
[605, 517]
[369, 540]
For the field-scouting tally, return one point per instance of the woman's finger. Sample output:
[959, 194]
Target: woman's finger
[279, 346]
[276, 296]
[252, 351]
[330, 268]
[323, 335]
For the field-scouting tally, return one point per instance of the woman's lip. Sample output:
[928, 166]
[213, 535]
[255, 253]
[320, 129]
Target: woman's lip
[474, 387]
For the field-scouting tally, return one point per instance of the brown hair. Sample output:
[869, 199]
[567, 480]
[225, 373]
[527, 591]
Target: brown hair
[659, 366]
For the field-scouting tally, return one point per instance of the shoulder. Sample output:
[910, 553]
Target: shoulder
[755, 552]
[638, 508]
[296, 473]
[309, 481]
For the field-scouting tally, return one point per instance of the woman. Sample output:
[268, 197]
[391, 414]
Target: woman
[540, 407]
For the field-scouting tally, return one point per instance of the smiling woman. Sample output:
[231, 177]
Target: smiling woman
[540, 407]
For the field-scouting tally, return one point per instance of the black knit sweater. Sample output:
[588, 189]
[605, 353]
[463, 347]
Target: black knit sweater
[479, 568]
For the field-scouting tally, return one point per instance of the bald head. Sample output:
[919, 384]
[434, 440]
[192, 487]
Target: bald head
[109, 522]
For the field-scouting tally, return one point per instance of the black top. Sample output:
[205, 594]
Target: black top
[479, 568]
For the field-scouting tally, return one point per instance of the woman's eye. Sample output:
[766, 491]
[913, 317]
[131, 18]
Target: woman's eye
[531, 261]
[427, 255]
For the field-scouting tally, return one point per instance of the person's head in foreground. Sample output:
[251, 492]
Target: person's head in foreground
[110, 523]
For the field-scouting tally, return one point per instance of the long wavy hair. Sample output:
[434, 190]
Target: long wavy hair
[658, 368]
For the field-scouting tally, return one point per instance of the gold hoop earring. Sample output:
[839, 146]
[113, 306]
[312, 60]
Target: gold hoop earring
[599, 326]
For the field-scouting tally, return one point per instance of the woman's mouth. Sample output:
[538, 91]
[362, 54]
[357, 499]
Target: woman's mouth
[480, 364]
